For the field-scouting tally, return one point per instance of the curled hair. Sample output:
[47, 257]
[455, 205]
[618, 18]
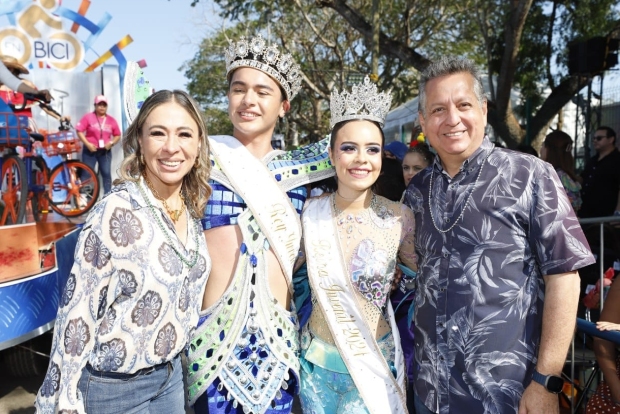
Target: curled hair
[424, 151]
[449, 65]
[195, 187]
[558, 146]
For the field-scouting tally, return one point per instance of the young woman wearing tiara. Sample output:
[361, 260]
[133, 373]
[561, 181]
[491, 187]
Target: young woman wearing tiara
[351, 356]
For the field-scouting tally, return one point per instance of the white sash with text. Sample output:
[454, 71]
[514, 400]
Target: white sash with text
[270, 205]
[331, 285]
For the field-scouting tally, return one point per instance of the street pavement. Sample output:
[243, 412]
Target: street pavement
[17, 394]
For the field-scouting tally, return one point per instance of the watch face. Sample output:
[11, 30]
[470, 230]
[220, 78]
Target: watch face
[555, 384]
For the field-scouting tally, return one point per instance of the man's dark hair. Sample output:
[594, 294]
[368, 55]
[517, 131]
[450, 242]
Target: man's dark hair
[609, 132]
[449, 65]
[527, 149]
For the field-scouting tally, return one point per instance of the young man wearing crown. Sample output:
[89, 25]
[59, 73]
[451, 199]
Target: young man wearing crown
[244, 354]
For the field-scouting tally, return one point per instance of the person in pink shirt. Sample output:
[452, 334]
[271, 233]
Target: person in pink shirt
[99, 132]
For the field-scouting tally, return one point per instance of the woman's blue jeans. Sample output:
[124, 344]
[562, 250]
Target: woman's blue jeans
[157, 389]
[102, 157]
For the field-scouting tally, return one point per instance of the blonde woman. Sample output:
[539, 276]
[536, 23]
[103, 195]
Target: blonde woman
[140, 269]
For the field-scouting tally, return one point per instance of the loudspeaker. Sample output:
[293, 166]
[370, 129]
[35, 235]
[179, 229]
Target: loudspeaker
[587, 57]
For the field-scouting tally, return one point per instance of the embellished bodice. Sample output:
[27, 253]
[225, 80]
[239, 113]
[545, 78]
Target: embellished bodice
[370, 243]
[351, 258]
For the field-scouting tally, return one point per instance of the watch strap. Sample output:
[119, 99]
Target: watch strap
[543, 380]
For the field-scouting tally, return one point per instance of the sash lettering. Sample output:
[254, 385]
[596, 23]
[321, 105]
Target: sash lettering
[254, 183]
[330, 283]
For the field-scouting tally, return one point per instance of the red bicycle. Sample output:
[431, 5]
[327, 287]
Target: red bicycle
[71, 188]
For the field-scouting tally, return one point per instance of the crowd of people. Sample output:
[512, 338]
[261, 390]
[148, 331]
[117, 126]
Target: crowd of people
[441, 278]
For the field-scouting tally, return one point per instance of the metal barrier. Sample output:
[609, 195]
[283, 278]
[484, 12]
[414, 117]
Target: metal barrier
[601, 221]
[586, 326]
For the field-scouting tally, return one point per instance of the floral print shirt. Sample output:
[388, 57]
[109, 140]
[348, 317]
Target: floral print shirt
[572, 187]
[480, 292]
[130, 301]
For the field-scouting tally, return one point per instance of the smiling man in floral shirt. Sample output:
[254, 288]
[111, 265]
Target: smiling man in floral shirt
[499, 248]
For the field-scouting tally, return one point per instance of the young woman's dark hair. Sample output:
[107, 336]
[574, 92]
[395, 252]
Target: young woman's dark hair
[424, 150]
[339, 125]
[390, 183]
[558, 146]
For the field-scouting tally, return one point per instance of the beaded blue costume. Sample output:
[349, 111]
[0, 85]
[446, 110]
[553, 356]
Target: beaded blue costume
[244, 354]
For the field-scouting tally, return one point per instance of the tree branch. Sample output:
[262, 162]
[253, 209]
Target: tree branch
[389, 47]
[560, 96]
[549, 45]
[313, 27]
[512, 37]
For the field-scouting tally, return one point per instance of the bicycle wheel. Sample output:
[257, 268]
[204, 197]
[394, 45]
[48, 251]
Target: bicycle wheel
[74, 188]
[14, 189]
[39, 181]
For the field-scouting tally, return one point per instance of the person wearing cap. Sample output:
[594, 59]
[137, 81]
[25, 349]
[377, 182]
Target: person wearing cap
[12, 94]
[395, 149]
[99, 132]
[11, 80]
[243, 356]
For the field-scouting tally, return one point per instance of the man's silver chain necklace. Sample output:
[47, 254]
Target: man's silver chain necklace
[430, 191]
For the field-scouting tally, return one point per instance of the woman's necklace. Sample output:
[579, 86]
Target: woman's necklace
[347, 222]
[174, 214]
[430, 190]
[190, 263]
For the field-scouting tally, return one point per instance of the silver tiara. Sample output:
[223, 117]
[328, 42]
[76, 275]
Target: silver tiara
[254, 53]
[363, 102]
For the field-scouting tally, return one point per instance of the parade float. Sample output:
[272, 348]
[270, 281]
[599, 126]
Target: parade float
[45, 191]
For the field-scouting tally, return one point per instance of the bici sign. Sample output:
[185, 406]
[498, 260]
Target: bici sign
[39, 36]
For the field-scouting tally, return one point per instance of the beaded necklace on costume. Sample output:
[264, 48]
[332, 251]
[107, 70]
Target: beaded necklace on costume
[430, 191]
[173, 214]
[190, 263]
[347, 222]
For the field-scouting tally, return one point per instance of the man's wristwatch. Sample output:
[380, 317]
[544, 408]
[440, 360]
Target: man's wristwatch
[552, 383]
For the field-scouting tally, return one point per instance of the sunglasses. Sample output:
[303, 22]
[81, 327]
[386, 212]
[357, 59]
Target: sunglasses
[598, 137]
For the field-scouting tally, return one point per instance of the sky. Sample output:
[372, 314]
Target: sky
[165, 33]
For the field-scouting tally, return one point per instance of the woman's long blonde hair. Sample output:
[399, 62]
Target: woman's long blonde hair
[195, 187]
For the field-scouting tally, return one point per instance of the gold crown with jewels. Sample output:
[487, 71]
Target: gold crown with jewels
[363, 102]
[255, 53]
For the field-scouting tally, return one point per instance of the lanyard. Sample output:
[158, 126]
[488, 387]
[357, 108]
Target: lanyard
[101, 125]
